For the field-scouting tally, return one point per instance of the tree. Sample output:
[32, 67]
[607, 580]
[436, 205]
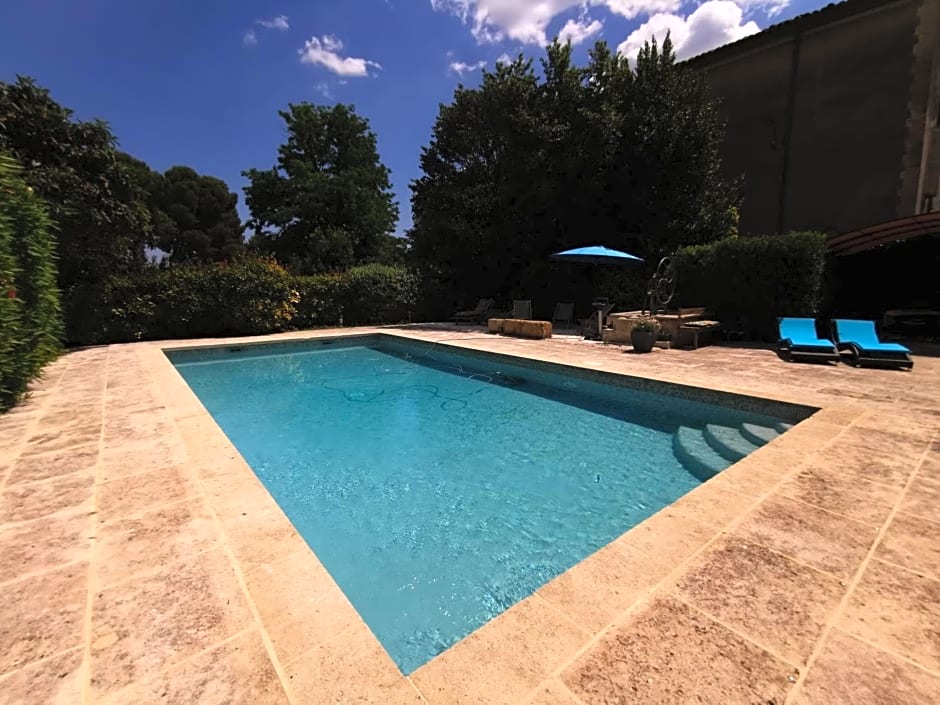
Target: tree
[193, 217]
[327, 204]
[101, 220]
[522, 167]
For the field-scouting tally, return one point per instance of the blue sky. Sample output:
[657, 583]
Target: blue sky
[200, 82]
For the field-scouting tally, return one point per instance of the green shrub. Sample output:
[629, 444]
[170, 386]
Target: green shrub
[320, 300]
[247, 297]
[371, 294]
[30, 322]
[251, 296]
[747, 282]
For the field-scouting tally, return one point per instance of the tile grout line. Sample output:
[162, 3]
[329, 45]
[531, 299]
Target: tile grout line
[177, 665]
[243, 586]
[857, 578]
[233, 562]
[38, 661]
[838, 515]
[28, 431]
[737, 632]
[900, 657]
[93, 540]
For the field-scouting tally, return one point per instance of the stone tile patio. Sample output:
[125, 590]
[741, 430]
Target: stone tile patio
[142, 562]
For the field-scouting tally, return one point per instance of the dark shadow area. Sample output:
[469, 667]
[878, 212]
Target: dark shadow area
[895, 286]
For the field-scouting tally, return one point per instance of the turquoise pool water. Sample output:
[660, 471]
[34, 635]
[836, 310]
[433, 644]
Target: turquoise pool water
[439, 489]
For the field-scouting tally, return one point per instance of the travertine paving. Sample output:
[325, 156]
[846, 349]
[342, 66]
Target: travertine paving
[142, 562]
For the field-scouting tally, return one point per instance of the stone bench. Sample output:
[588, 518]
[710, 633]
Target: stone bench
[520, 328]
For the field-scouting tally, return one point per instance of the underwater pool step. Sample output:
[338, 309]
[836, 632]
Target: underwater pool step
[696, 455]
[730, 443]
[759, 435]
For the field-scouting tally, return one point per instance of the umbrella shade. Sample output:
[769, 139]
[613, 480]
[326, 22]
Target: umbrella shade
[595, 254]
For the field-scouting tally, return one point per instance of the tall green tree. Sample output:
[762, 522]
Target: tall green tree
[523, 166]
[327, 204]
[101, 220]
[193, 217]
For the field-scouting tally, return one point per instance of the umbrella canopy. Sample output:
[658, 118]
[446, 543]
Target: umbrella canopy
[595, 254]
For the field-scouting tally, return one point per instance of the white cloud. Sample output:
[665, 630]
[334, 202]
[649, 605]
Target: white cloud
[635, 8]
[770, 7]
[250, 38]
[325, 52]
[504, 58]
[576, 31]
[323, 88]
[460, 68]
[279, 23]
[712, 24]
[527, 20]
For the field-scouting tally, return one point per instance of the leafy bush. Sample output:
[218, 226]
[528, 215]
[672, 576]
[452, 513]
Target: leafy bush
[248, 297]
[747, 282]
[371, 294]
[30, 323]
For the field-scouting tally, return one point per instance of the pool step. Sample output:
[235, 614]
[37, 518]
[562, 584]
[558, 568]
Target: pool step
[696, 455]
[759, 435]
[729, 442]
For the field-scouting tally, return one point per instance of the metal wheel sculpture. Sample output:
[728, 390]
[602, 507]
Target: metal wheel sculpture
[663, 285]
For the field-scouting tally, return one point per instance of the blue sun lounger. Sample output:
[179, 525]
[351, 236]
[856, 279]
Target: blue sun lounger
[798, 341]
[860, 339]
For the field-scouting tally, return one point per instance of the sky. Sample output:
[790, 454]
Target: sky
[199, 82]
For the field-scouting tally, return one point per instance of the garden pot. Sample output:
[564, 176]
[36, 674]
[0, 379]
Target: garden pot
[643, 340]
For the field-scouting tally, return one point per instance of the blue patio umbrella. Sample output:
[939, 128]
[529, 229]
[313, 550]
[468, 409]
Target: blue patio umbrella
[596, 254]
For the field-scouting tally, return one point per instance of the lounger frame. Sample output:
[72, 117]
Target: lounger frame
[860, 356]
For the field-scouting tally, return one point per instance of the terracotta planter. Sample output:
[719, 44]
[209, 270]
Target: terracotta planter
[643, 340]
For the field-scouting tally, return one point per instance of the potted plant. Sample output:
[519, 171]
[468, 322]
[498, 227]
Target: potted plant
[644, 332]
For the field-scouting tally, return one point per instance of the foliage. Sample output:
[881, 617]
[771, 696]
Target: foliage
[247, 297]
[646, 324]
[747, 282]
[30, 325]
[327, 204]
[101, 220]
[522, 167]
[193, 217]
[371, 294]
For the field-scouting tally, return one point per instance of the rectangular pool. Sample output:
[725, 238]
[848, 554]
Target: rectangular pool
[438, 487]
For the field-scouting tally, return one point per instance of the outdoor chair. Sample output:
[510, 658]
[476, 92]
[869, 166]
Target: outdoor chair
[860, 340]
[476, 315]
[798, 341]
[522, 309]
[564, 315]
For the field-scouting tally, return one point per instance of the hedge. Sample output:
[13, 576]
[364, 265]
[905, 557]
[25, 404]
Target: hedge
[747, 282]
[30, 322]
[251, 296]
[370, 294]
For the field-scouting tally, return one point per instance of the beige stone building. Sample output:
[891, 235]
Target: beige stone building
[832, 117]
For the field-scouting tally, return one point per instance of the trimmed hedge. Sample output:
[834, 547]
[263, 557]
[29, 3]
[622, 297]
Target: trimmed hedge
[251, 296]
[747, 282]
[247, 297]
[30, 321]
[371, 294]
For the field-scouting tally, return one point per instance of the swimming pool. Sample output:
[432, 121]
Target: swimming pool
[440, 487]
